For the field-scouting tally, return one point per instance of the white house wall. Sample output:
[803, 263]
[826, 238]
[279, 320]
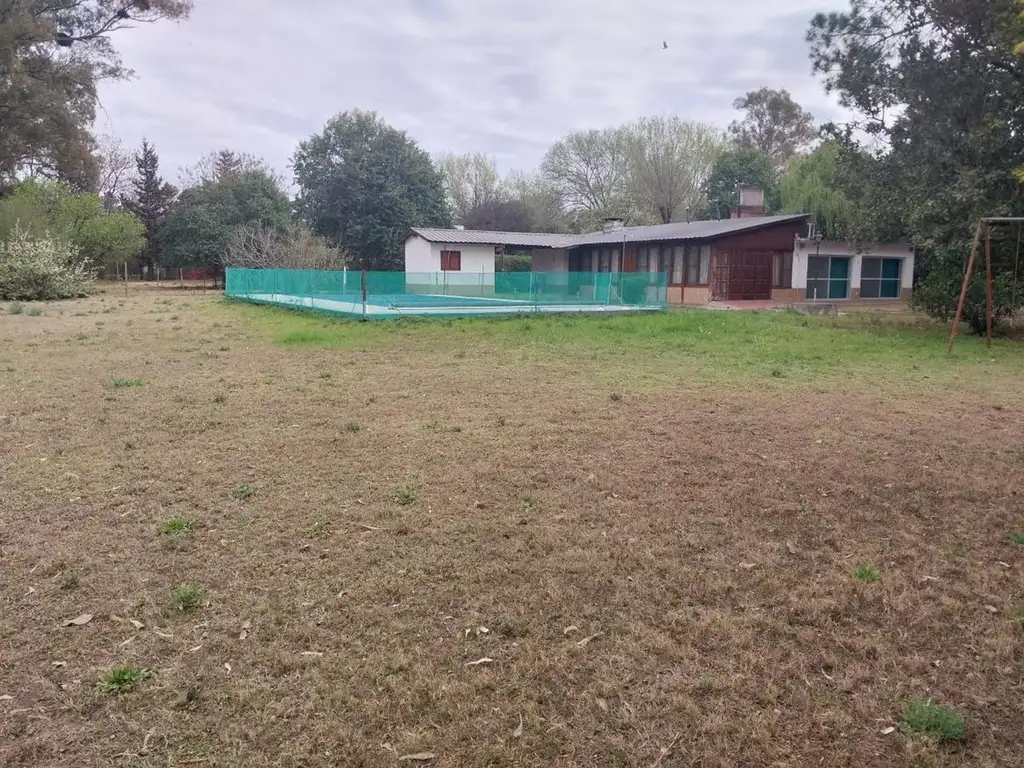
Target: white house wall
[807, 248]
[418, 256]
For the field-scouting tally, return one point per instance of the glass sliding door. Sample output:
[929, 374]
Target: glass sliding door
[839, 278]
[828, 277]
[880, 278]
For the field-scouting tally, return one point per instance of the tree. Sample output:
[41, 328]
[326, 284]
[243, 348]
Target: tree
[774, 124]
[151, 199]
[939, 293]
[670, 161]
[736, 166]
[364, 184]
[812, 186]
[541, 199]
[1019, 47]
[200, 228]
[115, 166]
[47, 209]
[470, 181]
[497, 215]
[590, 170]
[52, 57]
[939, 85]
[214, 166]
[259, 245]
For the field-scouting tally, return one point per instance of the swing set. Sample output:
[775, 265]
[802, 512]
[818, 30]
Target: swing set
[985, 230]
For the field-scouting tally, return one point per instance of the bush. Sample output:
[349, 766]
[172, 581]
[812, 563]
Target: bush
[939, 292]
[34, 268]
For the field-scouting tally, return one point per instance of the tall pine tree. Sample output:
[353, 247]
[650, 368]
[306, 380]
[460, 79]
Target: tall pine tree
[151, 200]
[227, 163]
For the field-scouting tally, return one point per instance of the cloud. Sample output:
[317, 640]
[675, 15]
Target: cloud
[504, 77]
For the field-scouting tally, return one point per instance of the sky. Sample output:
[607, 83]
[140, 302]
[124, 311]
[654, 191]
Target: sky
[502, 77]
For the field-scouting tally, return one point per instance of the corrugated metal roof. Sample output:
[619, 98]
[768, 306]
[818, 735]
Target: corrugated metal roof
[693, 230]
[483, 237]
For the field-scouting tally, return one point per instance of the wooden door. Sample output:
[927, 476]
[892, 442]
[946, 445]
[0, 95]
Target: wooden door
[743, 275]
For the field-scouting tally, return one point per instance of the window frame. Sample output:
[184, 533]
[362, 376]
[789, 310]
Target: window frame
[828, 279]
[879, 282]
[782, 270]
[447, 258]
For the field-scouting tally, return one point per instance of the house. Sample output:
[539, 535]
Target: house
[750, 257]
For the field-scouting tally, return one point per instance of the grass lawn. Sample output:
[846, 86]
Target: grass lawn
[694, 538]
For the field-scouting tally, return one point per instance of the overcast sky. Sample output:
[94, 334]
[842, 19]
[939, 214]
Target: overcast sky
[504, 77]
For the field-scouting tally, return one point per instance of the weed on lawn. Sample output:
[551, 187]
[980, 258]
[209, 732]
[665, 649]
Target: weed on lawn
[185, 598]
[16, 308]
[924, 718]
[120, 680]
[69, 579]
[127, 383]
[320, 528]
[1017, 538]
[866, 573]
[243, 492]
[177, 526]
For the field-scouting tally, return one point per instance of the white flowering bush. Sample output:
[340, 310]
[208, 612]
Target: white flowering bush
[37, 268]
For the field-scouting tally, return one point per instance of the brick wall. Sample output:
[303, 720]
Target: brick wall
[788, 295]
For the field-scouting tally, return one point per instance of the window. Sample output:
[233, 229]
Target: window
[451, 261]
[605, 264]
[692, 264]
[782, 271]
[678, 259]
[698, 264]
[828, 277]
[705, 264]
[880, 278]
[643, 260]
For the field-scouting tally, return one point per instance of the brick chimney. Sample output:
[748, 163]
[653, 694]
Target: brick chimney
[751, 203]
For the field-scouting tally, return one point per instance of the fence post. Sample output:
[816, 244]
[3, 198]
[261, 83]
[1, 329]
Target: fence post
[126, 279]
[364, 293]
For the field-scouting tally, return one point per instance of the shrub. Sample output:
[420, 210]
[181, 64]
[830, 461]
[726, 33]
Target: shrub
[41, 268]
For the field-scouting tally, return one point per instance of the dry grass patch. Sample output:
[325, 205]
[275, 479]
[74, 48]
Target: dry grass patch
[579, 580]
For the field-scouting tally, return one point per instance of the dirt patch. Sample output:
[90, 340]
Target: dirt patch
[409, 547]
